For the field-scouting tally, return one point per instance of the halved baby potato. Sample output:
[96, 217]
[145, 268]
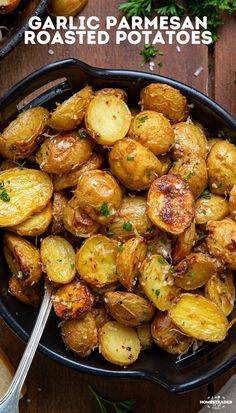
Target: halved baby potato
[119, 93]
[107, 119]
[22, 258]
[100, 314]
[58, 259]
[130, 257]
[221, 290]
[157, 282]
[194, 271]
[189, 139]
[129, 309]
[69, 114]
[35, 225]
[210, 207]
[24, 192]
[29, 295]
[119, 344]
[96, 260]
[184, 243]
[170, 204]
[58, 205]
[22, 136]
[135, 166]
[145, 336]
[221, 241]
[199, 318]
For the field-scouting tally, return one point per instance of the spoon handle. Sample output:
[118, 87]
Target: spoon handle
[9, 403]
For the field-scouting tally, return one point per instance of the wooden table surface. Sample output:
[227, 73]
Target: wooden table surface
[53, 388]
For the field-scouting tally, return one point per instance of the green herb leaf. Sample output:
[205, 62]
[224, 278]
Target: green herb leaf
[191, 274]
[158, 292]
[120, 247]
[171, 8]
[143, 119]
[148, 53]
[72, 266]
[111, 232]
[206, 194]
[125, 406]
[83, 133]
[127, 226]
[162, 261]
[136, 8]
[188, 176]
[130, 158]
[104, 210]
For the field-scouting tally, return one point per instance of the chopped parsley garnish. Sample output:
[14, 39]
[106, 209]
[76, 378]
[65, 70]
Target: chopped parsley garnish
[126, 406]
[120, 247]
[175, 161]
[201, 235]
[220, 185]
[143, 119]
[191, 274]
[206, 194]
[83, 133]
[160, 64]
[158, 292]
[148, 53]
[111, 232]
[188, 176]
[104, 210]
[72, 266]
[4, 196]
[127, 226]
[150, 230]
[162, 261]
[130, 158]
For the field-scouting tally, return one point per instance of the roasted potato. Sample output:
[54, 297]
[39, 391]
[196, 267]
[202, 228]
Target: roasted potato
[166, 164]
[72, 300]
[29, 295]
[119, 93]
[8, 6]
[71, 179]
[22, 258]
[23, 135]
[160, 245]
[152, 130]
[221, 164]
[212, 142]
[35, 225]
[77, 221]
[100, 314]
[132, 219]
[221, 290]
[170, 204]
[69, 115]
[130, 257]
[194, 271]
[189, 139]
[23, 192]
[145, 337]
[167, 335]
[192, 169]
[58, 259]
[64, 153]
[221, 241]
[184, 243]
[166, 100]
[58, 205]
[99, 195]
[107, 119]
[80, 336]
[96, 260]
[129, 309]
[210, 207]
[157, 282]
[119, 344]
[135, 166]
[199, 318]
[232, 203]
[66, 8]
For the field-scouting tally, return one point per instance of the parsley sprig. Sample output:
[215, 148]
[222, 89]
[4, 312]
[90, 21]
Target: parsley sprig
[171, 8]
[125, 406]
[137, 8]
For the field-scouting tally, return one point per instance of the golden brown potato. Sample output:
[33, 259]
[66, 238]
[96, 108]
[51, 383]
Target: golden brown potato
[184, 243]
[132, 219]
[189, 139]
[130, 257]
[100, 314]
[170, 204]
[212, 142]
[29, 295]
[194, 271]
[166, 164]
[22, 136]
[107, 119]
[119, 344]
[152, 130]
[64, 153]
[221, 164]
[8, 6]
[80, 336]
[96, 260]
[72, 300]
[220, 289]
[129, 309]
[232, 203]
[71, 179]
[145, 337]
[22, 258]
[221, 241]
[210, 207]
[160, 245]
[77, 221]
[157, 282]
[167, 336]
[58, 205]
[166, 100]
[135, 166]
[35, 225]
[66, 8]
[199, 318]
[192, 169]
[119, 93]
[69, 115]
[23, 193]
[99, 195]
[58, 259]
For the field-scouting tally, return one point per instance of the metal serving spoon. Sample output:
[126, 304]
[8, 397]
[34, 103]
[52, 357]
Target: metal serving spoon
[10, 401]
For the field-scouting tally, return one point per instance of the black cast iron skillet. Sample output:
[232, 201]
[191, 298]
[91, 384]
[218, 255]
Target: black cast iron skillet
[175, 374]
[18, 22]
